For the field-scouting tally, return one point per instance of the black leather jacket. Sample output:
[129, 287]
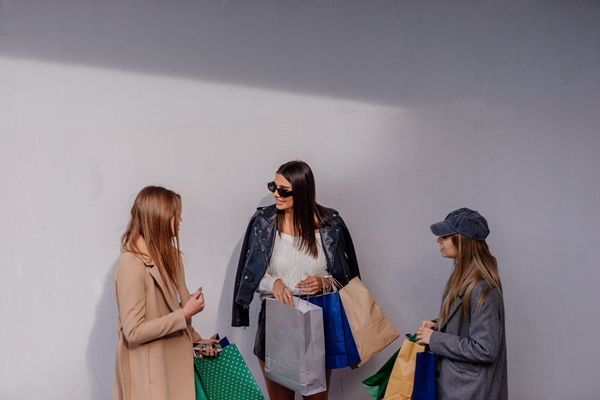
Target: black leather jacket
[258, 247]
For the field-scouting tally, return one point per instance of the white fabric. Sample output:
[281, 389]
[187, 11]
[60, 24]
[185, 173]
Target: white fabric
[291, 265]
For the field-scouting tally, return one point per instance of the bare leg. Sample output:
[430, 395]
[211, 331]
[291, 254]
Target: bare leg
[276, 391]
[322, 395]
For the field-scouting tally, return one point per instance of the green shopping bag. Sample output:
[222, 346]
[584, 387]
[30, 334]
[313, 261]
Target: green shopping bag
[200, 392]
[377, 383]
[227, 377]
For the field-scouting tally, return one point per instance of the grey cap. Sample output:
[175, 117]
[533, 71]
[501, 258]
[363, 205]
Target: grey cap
[467, 222]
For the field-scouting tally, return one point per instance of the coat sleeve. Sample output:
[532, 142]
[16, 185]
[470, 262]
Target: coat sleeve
[239, 314]
[350, 253]
[130, 290]
[484, 338]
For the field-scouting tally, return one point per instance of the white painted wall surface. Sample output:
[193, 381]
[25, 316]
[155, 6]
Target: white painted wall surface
[405, 110]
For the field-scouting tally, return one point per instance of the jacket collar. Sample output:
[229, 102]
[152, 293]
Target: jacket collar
[265, 229]
[268, 213]
[268, 228]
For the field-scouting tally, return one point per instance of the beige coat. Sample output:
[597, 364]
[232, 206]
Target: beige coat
[154, 352]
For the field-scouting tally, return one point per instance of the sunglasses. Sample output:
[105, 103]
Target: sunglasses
[282, 192]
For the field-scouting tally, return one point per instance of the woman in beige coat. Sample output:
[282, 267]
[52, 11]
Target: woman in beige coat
[154, 352]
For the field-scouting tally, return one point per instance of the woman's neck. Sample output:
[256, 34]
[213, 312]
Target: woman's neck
[287, 222]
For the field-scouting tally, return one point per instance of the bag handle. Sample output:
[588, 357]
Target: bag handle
[335, 283]
[300, 296]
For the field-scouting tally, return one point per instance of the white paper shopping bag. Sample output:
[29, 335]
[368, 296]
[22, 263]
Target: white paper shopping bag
[295, 346]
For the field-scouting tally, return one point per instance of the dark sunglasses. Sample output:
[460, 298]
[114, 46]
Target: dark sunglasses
[282, 192]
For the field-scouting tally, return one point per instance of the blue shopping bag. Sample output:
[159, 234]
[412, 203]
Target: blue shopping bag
[424, 384]
[340, 349]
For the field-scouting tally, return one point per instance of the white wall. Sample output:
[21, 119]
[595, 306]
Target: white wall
[405, 110]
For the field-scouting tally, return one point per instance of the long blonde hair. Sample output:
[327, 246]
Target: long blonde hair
[152, 215]
[473, 263]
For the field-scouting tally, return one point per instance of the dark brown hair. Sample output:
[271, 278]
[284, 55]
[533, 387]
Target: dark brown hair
[299, 174]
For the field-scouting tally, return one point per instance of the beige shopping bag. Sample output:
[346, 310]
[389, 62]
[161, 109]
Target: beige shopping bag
[400, 385]
[370, 327]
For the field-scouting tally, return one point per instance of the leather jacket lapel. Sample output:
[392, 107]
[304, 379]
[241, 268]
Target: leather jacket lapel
[265, 229]
[265, 240]
[329, 238]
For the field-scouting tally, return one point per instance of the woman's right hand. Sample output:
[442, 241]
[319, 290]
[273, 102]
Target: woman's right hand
[429, 324]
[282, 293]
[194, 305]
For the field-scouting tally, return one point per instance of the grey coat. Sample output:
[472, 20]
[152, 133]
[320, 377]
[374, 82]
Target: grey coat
[471, 362]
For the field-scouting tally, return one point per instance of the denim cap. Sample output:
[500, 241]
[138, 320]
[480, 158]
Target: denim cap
[467, 222]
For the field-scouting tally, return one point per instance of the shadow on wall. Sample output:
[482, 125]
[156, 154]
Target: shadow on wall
[242, 337]
[103, 343]
[400, 53]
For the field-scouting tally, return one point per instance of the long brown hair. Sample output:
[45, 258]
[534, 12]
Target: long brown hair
[299, 174]
[152, 214]
[473, 263]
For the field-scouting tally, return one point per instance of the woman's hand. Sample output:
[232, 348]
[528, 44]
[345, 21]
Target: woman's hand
[312, 285]
[424, 332]
[429, 324]
[282, 293]
[207, 351]
[194, 305]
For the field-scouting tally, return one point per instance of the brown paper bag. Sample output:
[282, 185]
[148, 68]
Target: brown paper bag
[400, 385]
[370, 327]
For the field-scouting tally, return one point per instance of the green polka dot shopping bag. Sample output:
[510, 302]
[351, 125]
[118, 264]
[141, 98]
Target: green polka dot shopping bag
[227, 377]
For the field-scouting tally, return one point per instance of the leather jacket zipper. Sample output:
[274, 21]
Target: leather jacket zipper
[262, 245]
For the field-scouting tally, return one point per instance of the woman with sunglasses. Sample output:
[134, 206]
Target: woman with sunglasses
[290, 248]
[469, 336]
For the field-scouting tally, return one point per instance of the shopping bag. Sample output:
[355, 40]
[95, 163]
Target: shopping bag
[294, 346]
[227, 377]
[424, 383]
[200, 391]
[377, 383]
[400, 385]
[370, 327]
[340, 349]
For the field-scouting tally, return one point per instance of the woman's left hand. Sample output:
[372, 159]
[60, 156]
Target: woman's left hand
[311, 285]
[423, 335]
[208, 351]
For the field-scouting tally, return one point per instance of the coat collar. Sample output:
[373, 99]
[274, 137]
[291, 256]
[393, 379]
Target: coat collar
[454, 307]
[170, 295]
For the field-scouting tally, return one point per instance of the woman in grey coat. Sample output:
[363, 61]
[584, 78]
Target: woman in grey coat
[469, 335]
